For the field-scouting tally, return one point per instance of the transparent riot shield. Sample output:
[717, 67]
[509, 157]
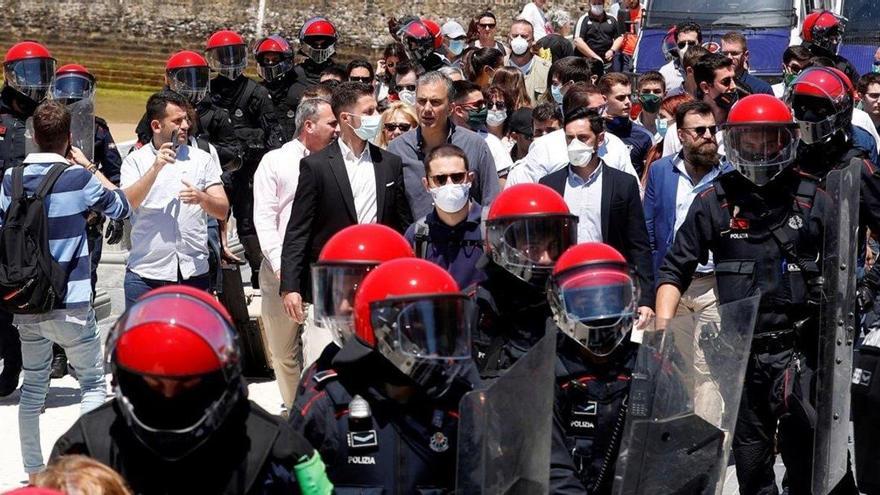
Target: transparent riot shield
[82, 126]
[836, 329]
[683, 403]
[504, 430]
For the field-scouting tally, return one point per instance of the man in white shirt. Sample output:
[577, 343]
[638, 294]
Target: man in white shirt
[275, 184]
[534, 13]
[549, 153]
[169, 231]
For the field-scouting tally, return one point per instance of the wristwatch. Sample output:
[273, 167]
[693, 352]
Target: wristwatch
[92, 167]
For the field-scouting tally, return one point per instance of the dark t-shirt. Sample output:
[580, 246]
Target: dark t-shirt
[599, 35]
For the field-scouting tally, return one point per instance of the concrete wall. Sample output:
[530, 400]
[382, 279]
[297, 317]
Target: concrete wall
[362, 22]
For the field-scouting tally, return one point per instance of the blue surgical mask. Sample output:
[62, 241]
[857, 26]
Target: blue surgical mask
[556, 91]
[456, 47]
[369, 127]
[876, 67]
[662, 126]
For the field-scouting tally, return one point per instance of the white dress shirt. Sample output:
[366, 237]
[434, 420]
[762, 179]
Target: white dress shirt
[500, 153]
[362, 177]
[685, 194]
[584, 199]
[168, 235]
[549, 153]
[275, 184]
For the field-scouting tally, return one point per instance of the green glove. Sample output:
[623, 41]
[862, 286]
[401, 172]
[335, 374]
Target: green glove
[312, 476]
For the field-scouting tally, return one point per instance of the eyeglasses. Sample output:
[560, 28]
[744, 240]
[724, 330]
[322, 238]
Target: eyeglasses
[731, 53]
[364, 79]
[487, 26]
[497, 105]
[682, 44]
[392, 126]
[701, 130]
[457, 178]
[408, 87]
[873, 96]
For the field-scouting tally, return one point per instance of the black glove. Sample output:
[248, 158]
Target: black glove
[114, 232]
[864, 297]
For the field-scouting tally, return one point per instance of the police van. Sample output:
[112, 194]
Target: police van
[770, 26]
[861, 36]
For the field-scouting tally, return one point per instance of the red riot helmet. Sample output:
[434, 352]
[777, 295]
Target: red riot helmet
[417, 39]
[342, 265]
[226, 53]
[760, 137]
[177, 369]
[528, 227]
[29, 69]
[822, 100]
[274, 57]
[187, 73]
[73, 83]
[824, 29]
[317, 39]
[412, 313]
[435, 31]
[593, 297]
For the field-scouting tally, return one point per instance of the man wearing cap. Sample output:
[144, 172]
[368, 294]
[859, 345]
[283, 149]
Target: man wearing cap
[521, 130]
[534, 69]
[454, 42]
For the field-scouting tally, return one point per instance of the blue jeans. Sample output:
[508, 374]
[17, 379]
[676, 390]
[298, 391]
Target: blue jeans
[82, 344]
[136, 286]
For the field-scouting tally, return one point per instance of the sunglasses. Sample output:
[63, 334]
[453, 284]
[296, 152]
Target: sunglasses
[487, 26]
[403, 126]
[497, 105]
[682, 44]
[408, 87]
[701, 130]
[442, 179]
[365, 79]
[873, 96]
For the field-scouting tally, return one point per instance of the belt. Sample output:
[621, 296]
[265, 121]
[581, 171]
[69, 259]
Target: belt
[773, 341]
[699, 275]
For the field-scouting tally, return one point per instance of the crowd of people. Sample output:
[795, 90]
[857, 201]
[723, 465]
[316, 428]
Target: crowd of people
[415, 226]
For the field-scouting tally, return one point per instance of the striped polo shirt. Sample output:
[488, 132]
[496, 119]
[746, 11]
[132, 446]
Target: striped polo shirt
[74, 193]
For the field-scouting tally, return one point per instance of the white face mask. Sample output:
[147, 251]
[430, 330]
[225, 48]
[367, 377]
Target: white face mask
[580, 153]
[496, 117]
[451, 198]
[369, 127]
[597, 9]
[519, 45]
[408, 97]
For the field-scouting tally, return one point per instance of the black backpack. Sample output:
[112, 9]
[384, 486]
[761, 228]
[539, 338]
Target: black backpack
[31, 281]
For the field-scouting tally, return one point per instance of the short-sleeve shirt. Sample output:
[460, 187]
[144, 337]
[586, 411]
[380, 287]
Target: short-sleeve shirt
[599, 35]
[168, 235]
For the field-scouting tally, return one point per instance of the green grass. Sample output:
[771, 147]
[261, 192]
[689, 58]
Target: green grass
[121, 105]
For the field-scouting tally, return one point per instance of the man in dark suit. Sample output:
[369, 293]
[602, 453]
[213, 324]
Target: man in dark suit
[605, 200]
[349, 182]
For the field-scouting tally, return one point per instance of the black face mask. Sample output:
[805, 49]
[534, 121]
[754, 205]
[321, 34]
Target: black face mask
[725, 101]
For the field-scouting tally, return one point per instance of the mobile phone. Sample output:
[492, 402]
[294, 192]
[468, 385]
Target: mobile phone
[174, 144]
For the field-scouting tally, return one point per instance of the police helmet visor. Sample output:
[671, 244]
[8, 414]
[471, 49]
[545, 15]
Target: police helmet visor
[31, 77]
[318, 48]
[228, 61]
[333, 288]
[73, 87]
[191, 82]
[760, 153]
[273, 65]
[428, 328]
[528, 247]
[818, 117]
[170, 404]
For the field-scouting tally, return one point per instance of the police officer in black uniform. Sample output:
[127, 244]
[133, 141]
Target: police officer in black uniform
[256, 126]
[28, 69]
[822, 34]
[274, 58]
[385, 417]
[317, 42]
[181, 421]
[594, 301]
[764, 226]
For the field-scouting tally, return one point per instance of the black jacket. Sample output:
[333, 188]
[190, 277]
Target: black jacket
[623, 223]
[12, 129]
[286, 94]
[253, 452]
[324, 204]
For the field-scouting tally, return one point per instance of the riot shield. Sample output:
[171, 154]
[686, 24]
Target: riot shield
[683, 403]
[504, 430]
[82, 126]
[836, 329]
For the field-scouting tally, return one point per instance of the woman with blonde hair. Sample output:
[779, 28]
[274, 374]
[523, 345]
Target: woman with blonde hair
[396, 119]
[81, 475]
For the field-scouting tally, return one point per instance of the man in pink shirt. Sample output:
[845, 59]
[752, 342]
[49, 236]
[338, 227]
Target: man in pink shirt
[274, 187]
